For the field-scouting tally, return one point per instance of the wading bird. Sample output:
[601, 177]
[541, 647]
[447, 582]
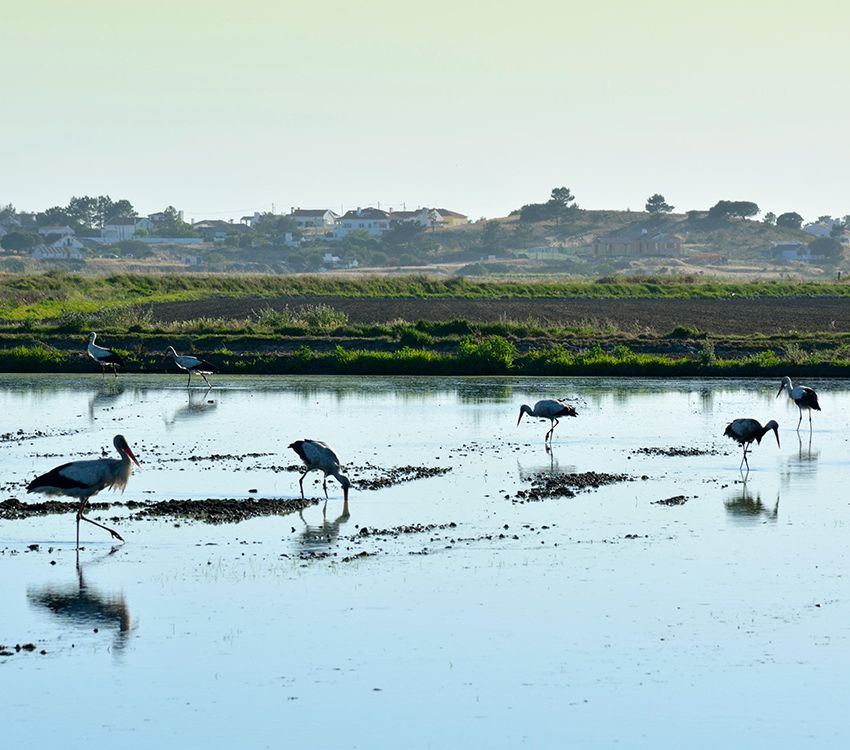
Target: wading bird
[192, 364]
[319, 456]
[103, 356]
[82, 479]
[548, 408]
[745, 431]
[803, 396]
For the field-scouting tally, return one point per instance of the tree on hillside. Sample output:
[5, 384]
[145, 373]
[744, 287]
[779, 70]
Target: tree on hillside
[19, 241]
[827, 248]
[55, 216]
[273, 228]
[403, 235]
[789, 220]
[656, 205]
[491, 235]
[7, 212]
[731, 209]
[838, 228]
[562, 196]
[108, 209]
[561, 203]
[172, 224]
[769, 218]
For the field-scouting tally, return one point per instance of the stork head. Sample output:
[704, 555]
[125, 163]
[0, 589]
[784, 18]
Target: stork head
[524, 409]
[123, 448]
[786, 383]
[170, 352]
[772, 425]
[92, 337]
[345, 482]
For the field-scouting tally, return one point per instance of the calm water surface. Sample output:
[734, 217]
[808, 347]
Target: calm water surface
[609, 620]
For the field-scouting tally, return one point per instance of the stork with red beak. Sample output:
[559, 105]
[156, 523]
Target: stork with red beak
[803, 396]
[319, 456]
[82, 479]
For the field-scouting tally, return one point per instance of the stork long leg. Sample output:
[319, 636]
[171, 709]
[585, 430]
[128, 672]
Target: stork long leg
[325, 487]
[301, 482]
[81, 517]
[189, 381]
[801, 419]
[205, 380]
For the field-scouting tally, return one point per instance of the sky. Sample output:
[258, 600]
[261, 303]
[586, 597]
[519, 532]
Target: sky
[226, 108]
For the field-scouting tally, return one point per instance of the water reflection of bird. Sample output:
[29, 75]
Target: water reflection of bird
[553, 466]
[319, 456]
[108, 393]
[86, 607]
[803, 396]
[197, 406]
[322, 535]
[746, 431]
[82, 479]
[743, 505]
[551, 409]
[103, 356]
[191, 364]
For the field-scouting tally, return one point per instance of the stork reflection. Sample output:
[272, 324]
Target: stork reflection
[197, 405]
[551, 466]
[744, 505]
[84, 606]
[106, 394]
[317, 536]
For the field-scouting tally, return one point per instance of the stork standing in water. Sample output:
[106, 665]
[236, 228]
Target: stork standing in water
[103, 356]
[82, 479]
[745, 431]
[191, 364]
[803, 396]
[551, 409]
[319, 456]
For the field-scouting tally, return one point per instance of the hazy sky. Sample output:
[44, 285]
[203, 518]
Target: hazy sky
[223, 108]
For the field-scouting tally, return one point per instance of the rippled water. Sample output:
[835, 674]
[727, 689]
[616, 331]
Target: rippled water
[591, 621]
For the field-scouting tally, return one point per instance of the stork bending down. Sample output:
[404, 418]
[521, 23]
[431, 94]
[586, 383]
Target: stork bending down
[319, 456]
[551, 409]
[745, 431]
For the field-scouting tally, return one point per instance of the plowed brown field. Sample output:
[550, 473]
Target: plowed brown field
[721, 316]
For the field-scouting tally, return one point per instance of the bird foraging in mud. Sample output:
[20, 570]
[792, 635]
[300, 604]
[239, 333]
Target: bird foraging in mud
[551, 409]
[82, 479]
[190, 364]
[803, 396]
[103, 356]
[745, 431]
[319, 456]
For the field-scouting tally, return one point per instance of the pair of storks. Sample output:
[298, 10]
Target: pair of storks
[747, 431]
[108, 358]
[84, 479]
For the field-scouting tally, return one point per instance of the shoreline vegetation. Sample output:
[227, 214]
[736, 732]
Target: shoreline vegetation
[293, 327]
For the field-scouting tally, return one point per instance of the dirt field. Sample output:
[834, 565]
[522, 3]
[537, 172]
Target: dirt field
[722, 316]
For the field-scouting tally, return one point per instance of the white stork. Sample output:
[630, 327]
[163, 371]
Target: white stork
[103, 356]
[803, 396]
[319, 456]
[82, 479]
[745, 431]
[551, 409]
[192, 364]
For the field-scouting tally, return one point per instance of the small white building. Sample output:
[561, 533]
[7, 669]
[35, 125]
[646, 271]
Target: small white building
[118, 228]
[372, 220]
[46, 252]
[314, 218]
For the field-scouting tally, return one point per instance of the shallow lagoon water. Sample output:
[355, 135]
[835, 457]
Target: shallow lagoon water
[609, 619]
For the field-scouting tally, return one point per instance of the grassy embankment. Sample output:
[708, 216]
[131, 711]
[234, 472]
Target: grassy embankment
[43, 320]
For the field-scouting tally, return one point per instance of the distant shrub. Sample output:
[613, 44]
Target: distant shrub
[684, 332]
[490, 354]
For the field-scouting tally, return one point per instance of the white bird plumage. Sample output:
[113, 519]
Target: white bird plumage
[745, 431]
[83, 479]
[803, 396]
[103, 356]
[191, 364]
[319, 456]
[551, 409]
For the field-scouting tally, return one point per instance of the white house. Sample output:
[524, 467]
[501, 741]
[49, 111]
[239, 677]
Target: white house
[61, 231]
[425, 217]
[118, 228]
[314, 218]
[372, 220]
[45, 252]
